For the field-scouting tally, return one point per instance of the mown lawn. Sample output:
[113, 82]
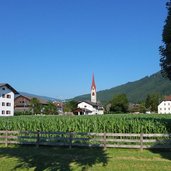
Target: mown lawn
[90, 159]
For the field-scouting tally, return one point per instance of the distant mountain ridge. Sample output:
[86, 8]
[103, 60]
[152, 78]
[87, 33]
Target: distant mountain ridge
[38, 96]
[136, 91]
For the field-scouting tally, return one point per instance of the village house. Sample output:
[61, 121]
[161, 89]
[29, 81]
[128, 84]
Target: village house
[60, 106]
[7, 94]
[165, 106]
[22, 103]
[90, 107]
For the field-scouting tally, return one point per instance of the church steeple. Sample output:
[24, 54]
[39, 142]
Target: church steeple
[93, 91]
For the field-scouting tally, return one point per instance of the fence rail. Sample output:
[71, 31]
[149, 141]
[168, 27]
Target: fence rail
[71, 139]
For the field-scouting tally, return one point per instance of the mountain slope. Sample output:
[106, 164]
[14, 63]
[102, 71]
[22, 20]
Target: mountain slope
[136, 91]
[37, 96]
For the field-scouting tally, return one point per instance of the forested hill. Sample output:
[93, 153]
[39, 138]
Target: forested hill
[136, 91]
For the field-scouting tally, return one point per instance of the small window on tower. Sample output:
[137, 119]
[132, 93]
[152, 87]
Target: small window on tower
[93, 94]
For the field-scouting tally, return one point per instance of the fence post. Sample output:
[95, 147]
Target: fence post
[38, 138]
[70, 139]
[6, 138]
[141, 141]
[105, 140]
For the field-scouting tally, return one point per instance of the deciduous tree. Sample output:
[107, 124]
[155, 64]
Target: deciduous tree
[50, 109]
[35, 106]
[165, 49]
[70, 106]
[119, 104]
[152, 101]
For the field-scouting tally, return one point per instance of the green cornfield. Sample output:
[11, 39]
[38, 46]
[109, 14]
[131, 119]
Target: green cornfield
[121, 123]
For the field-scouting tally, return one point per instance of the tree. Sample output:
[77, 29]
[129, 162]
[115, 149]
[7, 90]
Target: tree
[119, 104]
[165, 49]
[142, 108]
[152, 101]
[70, 106]
[50, 109]
[35, 106]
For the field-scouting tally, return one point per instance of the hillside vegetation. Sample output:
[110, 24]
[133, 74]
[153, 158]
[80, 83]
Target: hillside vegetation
[136, 91]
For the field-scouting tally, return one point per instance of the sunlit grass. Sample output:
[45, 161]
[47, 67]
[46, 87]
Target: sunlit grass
[88, 159]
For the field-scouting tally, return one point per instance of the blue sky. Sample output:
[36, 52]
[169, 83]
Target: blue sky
[52, 47]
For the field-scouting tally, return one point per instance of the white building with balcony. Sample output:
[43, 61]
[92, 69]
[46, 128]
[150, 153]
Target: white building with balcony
[7, 99]
[90, 108]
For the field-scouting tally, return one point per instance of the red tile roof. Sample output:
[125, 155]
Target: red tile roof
[167, 98]
[93, 83]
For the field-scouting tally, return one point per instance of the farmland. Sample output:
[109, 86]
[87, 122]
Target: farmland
[120, 123]
[20, 157]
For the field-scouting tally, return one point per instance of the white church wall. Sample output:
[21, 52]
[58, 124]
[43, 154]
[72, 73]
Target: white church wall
[84, 105]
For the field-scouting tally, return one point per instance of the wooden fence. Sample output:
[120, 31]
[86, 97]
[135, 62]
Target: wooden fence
[72, 139]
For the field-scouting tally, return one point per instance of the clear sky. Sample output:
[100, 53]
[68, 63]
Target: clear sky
[52, 47]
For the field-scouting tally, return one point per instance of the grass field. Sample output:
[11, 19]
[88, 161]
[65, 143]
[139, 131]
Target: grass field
[82, 159]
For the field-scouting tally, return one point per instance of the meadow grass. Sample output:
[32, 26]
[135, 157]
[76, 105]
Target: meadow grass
[82, 159]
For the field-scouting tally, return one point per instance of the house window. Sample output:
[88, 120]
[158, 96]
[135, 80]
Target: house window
[3, 103]
[3, 88]
[3, 95]
[164, 108]
[8, 112]
[168, 108]
[164, 103]
[160, 108]
[3, 112]
[8, 104]
[8, 96]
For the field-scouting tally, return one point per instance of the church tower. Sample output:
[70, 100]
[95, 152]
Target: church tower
[93, 91]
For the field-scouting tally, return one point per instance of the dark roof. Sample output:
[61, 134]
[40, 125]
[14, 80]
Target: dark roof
[10, 87]
[91, 103]
[81, 110]
[42, 101]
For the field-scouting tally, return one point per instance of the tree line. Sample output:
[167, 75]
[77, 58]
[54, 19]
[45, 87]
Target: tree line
[120, 104]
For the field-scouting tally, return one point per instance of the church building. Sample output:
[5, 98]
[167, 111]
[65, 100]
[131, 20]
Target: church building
[90, 107]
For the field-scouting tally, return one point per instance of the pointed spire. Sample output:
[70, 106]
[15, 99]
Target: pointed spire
[93, 83]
